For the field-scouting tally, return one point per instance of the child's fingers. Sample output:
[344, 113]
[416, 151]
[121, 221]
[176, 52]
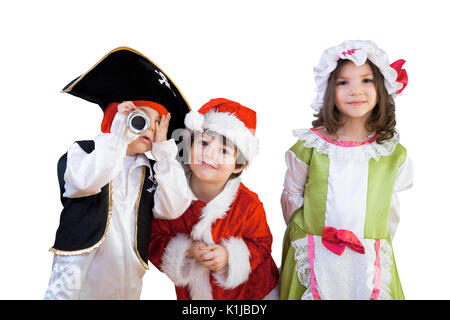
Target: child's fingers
[126, 107]
[213, 265]
[209, 255]
[157, 127]
[161, 122]
[132, 105]
[209, 264]
[157, 134]
[199, 247]
[210, 247]
[165, 119]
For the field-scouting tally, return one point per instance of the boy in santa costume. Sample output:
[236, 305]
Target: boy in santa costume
[220, 247]
[108, 184]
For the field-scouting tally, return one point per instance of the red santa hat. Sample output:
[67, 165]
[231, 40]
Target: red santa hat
[230, 119]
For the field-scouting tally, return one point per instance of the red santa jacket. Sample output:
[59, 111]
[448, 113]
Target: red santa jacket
[235, 219]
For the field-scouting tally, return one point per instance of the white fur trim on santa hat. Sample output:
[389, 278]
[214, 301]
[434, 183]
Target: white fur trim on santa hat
[238, 269]
[232, 128]
[194, 121]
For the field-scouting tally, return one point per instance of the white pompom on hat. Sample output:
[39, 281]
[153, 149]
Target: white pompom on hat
[358, 51]
[230, 119]
[194, 121]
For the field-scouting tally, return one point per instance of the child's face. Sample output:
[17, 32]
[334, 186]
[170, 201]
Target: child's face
[356, 93]
[145, 140]
[212, 159]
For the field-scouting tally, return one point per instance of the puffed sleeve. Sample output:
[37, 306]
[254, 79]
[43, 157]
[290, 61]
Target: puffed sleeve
[294, 183]
[404, 181]
[172, 196]
[87, 173]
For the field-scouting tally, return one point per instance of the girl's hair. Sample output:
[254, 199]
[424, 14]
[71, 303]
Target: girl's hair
[240, 159]
[382, 117]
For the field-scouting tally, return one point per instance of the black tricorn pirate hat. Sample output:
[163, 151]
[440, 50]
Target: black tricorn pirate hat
[124, 75]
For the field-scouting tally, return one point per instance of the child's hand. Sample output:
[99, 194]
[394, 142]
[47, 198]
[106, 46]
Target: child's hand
[214, 257]
[196, 250]
[126, 107]
[161, 128]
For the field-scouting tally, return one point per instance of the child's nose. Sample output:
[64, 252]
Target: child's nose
[210, 151]
[356, 89]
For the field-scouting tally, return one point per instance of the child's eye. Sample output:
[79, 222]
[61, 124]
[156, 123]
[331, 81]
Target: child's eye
[341, 83]
[224, 151]
[367, 80]
[204, 143]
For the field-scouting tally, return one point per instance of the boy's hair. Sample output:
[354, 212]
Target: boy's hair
[382, 117]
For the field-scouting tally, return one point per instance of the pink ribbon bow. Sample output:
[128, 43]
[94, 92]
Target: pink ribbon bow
[336, 240]
[402, 76]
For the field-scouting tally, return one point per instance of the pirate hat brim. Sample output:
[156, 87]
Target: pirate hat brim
[125, 74]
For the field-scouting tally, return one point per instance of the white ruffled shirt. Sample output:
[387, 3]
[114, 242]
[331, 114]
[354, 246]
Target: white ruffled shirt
[113, 270]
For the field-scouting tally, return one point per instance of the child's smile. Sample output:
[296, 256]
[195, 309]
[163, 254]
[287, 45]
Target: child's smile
[205, 164]
[356, 102]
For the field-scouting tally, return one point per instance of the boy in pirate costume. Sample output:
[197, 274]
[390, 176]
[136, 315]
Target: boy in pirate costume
[108, 184]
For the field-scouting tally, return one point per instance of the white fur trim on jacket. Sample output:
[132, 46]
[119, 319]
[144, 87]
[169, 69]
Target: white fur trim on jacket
[215, 209]
[199, 285]
[238, 268]
[186, 271]
[175, 264]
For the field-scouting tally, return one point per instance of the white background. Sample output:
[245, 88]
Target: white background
[259, 53]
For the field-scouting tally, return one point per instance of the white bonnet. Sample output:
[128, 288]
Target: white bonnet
[358, 51]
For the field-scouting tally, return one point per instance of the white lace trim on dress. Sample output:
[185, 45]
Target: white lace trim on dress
[336, 290]
[364, 153]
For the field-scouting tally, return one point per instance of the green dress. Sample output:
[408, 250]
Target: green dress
[351, 189]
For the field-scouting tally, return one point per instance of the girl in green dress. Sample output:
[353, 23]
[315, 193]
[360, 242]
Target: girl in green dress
[340, 190]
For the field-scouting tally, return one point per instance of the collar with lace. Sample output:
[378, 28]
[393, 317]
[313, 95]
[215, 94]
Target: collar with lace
[338, 151]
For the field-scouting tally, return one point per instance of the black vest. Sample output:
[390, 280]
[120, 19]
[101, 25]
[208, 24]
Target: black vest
[84, 221]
